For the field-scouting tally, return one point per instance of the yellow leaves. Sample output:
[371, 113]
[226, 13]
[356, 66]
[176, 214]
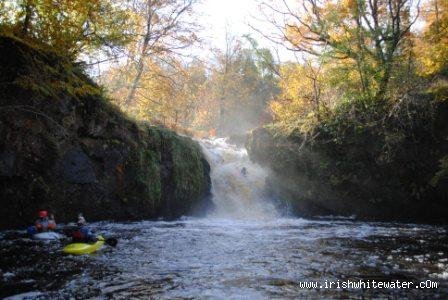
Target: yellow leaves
[294, 33]
[68, 26]
[297, 98]
[164, 95]
[431, 47]
[350, 5]
[338, 35]
[432, 60]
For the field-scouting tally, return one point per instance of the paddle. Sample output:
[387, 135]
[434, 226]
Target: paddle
[67, 230]
[109, 241]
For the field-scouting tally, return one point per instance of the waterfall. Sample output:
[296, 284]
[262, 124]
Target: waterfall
[235, 194]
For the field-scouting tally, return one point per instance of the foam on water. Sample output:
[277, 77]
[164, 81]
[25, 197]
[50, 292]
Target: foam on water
[235, 195]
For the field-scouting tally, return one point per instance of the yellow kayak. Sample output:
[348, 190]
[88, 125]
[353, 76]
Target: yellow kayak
[83, 248]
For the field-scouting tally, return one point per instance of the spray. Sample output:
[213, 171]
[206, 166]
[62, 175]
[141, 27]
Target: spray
[238, 185]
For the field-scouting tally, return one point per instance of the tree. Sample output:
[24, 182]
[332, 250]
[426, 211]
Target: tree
[230, 95]
[243, 81]
[367, 35]
[432, 44]
[305, 91]
[68, 26]
[169, 94]
[163, 27]
[223, 76]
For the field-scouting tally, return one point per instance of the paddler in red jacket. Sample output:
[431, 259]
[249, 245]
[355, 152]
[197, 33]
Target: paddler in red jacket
[82, 233]
[43, 223]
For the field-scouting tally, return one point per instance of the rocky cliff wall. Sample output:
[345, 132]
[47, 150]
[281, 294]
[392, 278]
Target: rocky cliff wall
[65, 148]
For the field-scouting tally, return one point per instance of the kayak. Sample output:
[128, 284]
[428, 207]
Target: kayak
[50, 235]
[83, 248]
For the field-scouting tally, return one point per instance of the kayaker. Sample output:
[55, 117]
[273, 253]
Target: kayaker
[244, 171]
[83, 234]
[43, 223]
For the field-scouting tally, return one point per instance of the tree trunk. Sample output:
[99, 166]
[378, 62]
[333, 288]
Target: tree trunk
[140, 65]
[130, 98]
[27, 21]
[384, 83]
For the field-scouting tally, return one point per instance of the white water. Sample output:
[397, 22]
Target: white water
[235, 195]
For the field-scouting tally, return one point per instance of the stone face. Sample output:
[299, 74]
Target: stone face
[354, 174]
[7, 160]
[76, 167]
[71, 151]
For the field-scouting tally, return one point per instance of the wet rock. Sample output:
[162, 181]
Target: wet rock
[72, 151]
[7, 160]
[76, 167]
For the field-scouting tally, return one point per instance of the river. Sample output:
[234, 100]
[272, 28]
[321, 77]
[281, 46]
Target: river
[244, 249]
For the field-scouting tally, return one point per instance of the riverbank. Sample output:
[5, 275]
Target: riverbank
[65, 148]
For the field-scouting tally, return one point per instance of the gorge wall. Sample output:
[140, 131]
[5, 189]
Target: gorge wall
[392, 167]
[65, 148]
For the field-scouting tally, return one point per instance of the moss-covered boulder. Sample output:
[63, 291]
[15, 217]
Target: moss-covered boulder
[65, 148]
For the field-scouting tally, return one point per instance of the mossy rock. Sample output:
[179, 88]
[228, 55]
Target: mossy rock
[121, 170]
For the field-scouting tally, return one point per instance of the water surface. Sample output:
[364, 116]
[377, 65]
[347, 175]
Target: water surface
[236, 259]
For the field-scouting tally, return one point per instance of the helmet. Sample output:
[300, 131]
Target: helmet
[81, 220]
[43, 214]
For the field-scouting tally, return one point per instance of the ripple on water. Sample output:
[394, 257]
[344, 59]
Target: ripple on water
[220, 258]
